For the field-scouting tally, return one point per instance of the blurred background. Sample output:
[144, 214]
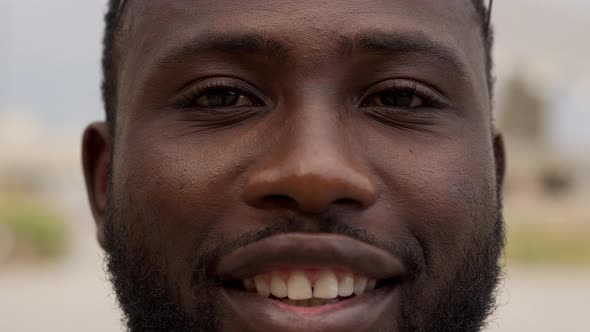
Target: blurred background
[51, 272]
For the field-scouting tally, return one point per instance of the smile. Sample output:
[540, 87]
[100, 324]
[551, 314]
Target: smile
[309, 287]
[328, 282]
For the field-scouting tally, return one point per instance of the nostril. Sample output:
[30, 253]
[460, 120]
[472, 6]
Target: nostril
[309, 190]
[348, 202]
[278, 201]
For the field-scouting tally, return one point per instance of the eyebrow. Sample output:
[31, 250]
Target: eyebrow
[383, 43]
[404, 43]
[229, 43]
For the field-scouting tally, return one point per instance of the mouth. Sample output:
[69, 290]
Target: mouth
[309, 286]
[330, 282]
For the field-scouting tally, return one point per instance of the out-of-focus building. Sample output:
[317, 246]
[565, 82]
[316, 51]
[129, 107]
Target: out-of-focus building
[36, 161]
[523, 112]
[41, 189]
[544, 121]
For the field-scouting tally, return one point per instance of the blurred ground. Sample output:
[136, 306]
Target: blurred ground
[75, 296]
[69, 297]
[543, 300]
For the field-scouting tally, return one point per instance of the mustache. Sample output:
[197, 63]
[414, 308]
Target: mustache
[406, 247]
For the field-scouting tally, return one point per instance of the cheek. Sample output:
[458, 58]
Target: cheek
[168, 198]
[445, 191]
[175, 190]
[182, 181]
[166, 184]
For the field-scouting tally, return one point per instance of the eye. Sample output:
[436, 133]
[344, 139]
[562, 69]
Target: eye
[404, 95]
[400, 99]
[222, 97]
[396, 98]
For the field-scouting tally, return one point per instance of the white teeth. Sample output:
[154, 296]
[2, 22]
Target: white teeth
[326, 287]
[249, 285]
[278, 287]
[360, 283]
[346, 285]
[262, 286]
[298, 286]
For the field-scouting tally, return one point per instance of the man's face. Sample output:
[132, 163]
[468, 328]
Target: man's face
[300, 166]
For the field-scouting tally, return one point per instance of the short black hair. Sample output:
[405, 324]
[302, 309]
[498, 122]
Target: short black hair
[111, 54]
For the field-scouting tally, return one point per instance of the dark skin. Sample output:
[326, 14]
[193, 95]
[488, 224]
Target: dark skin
[369, 121]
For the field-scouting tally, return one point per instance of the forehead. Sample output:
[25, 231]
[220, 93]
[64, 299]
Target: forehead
[303, 22]
[262, 7]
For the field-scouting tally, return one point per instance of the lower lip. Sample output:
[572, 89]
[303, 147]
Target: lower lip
[252, 312]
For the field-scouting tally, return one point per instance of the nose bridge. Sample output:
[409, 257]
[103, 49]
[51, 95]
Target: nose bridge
[312, 167]
[313, 135]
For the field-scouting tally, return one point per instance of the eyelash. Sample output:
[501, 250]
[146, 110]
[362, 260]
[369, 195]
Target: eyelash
[429, 99]
[188, 100]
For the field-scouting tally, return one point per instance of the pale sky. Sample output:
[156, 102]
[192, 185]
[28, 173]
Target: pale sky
[49, 63]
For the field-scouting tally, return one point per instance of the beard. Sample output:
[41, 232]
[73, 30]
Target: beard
[464, 304]
[143, 291]
[149, 304]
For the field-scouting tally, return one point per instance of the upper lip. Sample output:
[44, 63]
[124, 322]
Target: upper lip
[309, 250]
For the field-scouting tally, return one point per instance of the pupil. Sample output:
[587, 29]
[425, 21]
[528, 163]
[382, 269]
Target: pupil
[397, 99]
[222, 98]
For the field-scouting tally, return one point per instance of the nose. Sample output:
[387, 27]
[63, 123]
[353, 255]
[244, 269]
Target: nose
[313, 169]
